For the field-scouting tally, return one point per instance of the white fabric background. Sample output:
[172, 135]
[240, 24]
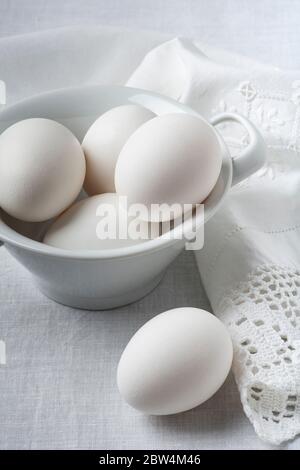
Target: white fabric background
[58, 387]
[265, 29]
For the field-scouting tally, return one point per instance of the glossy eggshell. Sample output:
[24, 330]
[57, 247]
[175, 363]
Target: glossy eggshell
[172, 159]
[42, 169]
[175, 362]
[103, 142]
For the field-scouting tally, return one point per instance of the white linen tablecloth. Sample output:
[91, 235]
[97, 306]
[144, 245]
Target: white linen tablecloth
[58, 384]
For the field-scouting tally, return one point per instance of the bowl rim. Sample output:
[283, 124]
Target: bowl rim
[14, 238]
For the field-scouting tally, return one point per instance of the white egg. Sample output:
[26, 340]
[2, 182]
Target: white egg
[84, 227]
[175, 362]
[42, 169]
[104, 141]
[172, 159]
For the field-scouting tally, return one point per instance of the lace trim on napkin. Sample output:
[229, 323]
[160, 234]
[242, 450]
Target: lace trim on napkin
[263, 316]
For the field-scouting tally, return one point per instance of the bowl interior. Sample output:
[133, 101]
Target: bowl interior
[77, 109]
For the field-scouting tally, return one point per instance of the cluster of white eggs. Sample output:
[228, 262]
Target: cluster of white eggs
[128, 151]
[181, 357]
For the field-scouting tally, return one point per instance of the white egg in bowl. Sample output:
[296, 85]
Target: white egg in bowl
[107, 278]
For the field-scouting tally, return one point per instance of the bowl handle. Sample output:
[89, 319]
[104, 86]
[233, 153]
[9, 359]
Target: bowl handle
[253, 157]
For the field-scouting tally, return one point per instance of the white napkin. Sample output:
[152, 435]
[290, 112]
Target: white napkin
[251, 257]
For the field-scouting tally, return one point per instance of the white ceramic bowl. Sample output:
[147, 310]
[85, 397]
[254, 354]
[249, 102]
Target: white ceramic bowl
[109, 278]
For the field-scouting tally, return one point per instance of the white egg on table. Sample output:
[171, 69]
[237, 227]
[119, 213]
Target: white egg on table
[94, 224]
[103, 142]
[175, 362]
[171, 159]
[42, 169]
